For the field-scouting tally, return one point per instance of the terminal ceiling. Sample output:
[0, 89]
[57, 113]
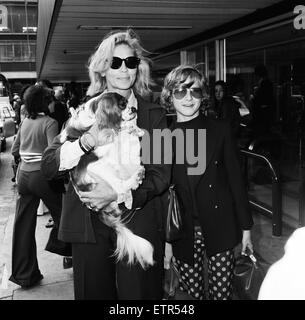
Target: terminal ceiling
[73, 28]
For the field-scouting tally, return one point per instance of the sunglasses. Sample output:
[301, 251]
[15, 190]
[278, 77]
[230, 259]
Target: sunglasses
[130, 62]
[181, 93]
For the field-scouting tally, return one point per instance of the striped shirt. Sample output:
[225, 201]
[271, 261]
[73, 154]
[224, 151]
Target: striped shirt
[33, 137]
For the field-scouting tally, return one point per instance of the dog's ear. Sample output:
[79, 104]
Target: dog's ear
[108, 114]
[122, 102]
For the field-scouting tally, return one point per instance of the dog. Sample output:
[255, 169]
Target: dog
[116, 160]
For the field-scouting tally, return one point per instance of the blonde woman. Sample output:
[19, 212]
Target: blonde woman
[118, 65]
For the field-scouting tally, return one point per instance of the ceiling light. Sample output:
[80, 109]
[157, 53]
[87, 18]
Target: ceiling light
[81, 27]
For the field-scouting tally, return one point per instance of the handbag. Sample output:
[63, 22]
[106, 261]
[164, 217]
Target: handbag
[173, 229]
[249, 273]
[170, 282]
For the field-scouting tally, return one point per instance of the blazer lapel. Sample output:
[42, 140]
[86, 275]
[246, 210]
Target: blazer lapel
[212, 141]
[142, 114]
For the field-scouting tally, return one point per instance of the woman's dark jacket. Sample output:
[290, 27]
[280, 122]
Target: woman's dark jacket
[221, 197]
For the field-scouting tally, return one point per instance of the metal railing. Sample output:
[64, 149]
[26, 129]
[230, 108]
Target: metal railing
[276, 212]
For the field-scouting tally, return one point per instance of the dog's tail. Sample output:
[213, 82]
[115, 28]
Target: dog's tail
[131, 246]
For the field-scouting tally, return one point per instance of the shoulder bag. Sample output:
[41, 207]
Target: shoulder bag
[173, 229]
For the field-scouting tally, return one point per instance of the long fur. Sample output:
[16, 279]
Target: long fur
[106, 162]
[129, 245]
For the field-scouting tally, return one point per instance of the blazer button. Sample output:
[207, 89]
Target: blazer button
[216, 206]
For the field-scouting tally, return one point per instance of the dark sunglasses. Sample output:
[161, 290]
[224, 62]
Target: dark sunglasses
[130, 62]
[181, 93]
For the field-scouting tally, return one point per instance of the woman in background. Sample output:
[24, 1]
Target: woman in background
[36, 132]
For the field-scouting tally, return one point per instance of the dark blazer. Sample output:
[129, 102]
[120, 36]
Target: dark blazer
[76, 223]
[221, 196]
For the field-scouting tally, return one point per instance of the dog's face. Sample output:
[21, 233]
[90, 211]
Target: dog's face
[129, 113]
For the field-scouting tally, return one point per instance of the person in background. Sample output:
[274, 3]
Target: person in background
[73, 98]
[263, 103]
[59, 95]
[58, 110]
[224, 106]
[20, 111]
[118, 65]
[34, 135]
[216, 211]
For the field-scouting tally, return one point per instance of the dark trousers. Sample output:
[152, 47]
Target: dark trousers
[97, 276]
[32, 186]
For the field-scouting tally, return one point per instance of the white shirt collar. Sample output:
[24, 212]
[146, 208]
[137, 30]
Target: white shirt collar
[132, 101]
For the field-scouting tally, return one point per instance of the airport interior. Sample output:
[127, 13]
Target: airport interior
[226, 40]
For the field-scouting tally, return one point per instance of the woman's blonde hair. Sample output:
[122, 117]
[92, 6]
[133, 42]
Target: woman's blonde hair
[178, 76]
[101, 59]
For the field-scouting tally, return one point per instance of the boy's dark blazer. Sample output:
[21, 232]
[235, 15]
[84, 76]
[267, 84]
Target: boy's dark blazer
[222, 200]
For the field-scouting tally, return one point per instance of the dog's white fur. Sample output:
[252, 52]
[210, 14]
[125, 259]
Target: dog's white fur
[285, 279]
[119, 164]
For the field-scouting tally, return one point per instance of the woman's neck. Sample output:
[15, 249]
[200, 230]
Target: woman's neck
[125, 93]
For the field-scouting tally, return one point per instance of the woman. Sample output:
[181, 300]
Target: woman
[225, 107]
[36, 132]
[216, 210]
[117, 65]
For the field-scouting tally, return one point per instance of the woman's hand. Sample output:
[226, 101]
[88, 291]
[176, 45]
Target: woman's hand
[168, 255]
[101, 196]
[246, 241]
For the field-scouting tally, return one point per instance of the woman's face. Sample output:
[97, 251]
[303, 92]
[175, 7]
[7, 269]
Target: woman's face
[187, 108]
[121, 80]
[219, 92]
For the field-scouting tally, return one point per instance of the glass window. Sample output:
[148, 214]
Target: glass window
[21, 16]
[17, 51]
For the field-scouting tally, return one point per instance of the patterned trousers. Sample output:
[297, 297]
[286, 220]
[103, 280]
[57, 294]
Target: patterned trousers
[219, 272]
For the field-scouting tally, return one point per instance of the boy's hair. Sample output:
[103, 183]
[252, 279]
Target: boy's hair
[178, 76]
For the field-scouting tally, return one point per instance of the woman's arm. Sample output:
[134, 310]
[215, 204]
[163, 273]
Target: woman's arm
[156, 181]
[16, 145]
[62, 156]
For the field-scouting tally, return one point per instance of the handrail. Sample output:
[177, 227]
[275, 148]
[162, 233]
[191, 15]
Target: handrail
[276, 194]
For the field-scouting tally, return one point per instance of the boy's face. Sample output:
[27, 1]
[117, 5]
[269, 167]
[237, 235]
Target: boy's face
[188, 106]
